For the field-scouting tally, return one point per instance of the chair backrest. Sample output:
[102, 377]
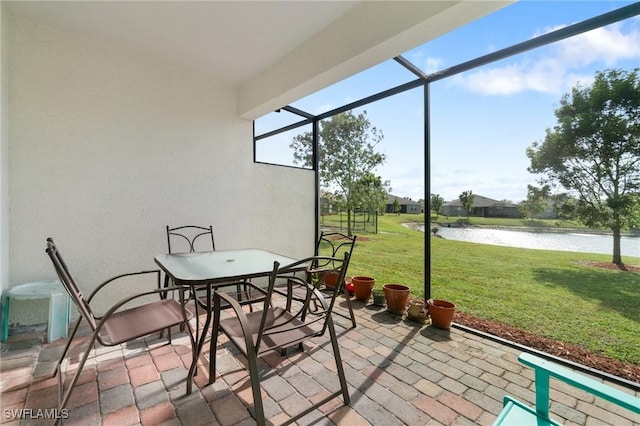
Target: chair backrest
[300, 320]
[70, 284]
[190, 238]
[335, 244]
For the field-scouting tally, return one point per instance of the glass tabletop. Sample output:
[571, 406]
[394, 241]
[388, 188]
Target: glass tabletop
[219, 266]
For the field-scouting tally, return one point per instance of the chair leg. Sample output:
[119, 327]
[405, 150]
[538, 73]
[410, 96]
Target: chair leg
[343, 382]
[213, 344]
[66, 347]
[185, 301]
[63, 400]
[254, 374]
[338, 358]
[245, 291]
[193, 370]
[349, 306]
[289, 296]
[163, 296]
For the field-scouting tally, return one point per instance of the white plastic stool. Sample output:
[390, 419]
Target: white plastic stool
[59, 306]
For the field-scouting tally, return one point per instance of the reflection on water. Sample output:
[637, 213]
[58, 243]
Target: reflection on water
[586, 243]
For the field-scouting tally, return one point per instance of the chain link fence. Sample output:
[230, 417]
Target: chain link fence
[360, 221]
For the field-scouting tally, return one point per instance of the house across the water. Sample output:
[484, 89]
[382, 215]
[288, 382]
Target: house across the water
[406, 205]
[482, 207]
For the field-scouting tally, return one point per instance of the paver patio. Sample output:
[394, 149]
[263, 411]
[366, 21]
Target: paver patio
[399, 372]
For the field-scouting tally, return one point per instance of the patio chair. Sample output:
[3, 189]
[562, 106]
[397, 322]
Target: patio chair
[516, 413]
[193, 238]
[121, 323]
[332, 244]
[275, 328]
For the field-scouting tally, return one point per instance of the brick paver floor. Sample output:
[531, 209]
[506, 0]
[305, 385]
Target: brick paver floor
[399, 373]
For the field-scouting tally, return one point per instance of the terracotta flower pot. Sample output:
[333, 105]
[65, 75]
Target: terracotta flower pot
[397, 296]
[363, 287]
[330, 280]
[441, 313]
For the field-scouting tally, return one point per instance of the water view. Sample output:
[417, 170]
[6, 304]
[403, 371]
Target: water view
[586, 243]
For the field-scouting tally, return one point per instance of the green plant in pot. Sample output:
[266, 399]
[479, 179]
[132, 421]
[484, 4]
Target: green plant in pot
[378, 297]
[417, 310]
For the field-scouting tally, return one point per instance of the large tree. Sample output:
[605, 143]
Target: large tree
[346, 154]
[371, 193]
[594, 152]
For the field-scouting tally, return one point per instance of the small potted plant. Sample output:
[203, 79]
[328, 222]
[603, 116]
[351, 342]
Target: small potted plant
[378, 297]
[418, 311]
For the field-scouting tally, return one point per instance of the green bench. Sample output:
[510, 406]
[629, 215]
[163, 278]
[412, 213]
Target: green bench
[516, 413]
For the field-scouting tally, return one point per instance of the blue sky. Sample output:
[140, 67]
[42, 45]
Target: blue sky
[483, 120]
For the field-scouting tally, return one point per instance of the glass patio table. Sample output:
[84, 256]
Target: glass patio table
[211, 270]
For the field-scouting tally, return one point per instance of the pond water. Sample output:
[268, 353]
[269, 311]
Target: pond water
[586, 243]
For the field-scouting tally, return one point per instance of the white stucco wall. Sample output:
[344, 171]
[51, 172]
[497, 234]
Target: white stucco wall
[106, 149]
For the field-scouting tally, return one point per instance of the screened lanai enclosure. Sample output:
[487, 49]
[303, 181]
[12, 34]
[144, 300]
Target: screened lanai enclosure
[122, 118]
[418, 95]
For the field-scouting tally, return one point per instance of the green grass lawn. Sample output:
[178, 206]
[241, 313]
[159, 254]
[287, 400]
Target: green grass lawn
[551, 293]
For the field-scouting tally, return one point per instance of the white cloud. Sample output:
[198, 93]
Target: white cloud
[606, 44]
[556, 68]
[432, 65]
[512, 79]
[428, 64]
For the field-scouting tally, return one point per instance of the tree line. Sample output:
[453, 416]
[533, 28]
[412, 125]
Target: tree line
[588, 164]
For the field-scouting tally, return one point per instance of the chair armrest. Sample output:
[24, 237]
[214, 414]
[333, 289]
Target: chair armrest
[316, 294]
[218, 297]
[231, 301]
[545, 369]
[129, 274]
[311, 293]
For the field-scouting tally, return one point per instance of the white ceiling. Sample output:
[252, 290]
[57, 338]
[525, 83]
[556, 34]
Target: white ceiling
[273, 52]
[228, 41]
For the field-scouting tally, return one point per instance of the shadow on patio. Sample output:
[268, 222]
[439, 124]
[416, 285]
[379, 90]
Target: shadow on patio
[398, 373]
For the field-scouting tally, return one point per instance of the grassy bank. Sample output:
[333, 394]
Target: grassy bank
[497, 221]
[551, 293]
